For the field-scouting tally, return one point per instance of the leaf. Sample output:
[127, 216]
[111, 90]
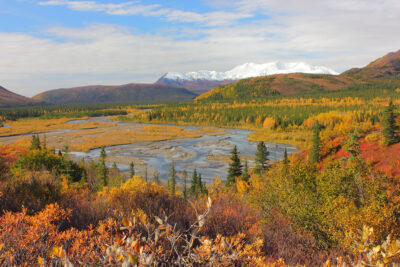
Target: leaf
[142, 218]
[168, 231]
[158, 220]
[40, 260]
[125, 222]
[53, 252]
[132, 259]
[137, 247]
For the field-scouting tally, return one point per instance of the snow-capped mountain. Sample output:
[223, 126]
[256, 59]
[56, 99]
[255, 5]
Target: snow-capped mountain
[200, 81]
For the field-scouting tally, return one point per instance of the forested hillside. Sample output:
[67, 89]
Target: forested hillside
[139, 93]
[383, 73]
[387, 67]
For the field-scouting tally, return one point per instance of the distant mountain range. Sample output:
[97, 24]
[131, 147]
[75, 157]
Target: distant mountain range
[121, 93]
[289, 78]
[385, 71]
[202, 81]
[10, 99]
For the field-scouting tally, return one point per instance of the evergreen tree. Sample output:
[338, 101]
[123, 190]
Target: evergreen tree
[35, 143]
[316, 143]
[352, 146]
[102, 168]
[202, 186]
[172, 179]
[44, 142]
[235, 168]
[261, 158]
[194, 183]
[185, 193]
[285, 156]
[245, 175]
[132, 169]
[389, 125]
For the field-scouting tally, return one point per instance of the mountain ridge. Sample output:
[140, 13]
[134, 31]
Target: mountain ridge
[203, 80]
[132, 92]
[11, 99]
[386, 67]
[383, 70]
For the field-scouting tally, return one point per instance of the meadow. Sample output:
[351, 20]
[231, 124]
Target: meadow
[334, 203]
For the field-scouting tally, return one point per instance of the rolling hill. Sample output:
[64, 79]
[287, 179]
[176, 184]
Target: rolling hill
[278, 84]
[121, 93]
[383, 72]
[10, 99]
[386, 67]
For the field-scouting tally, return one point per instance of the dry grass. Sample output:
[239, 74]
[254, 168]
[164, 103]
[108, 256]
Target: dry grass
[31, 126]
[298, 138]
[126, 134]
[93, 135]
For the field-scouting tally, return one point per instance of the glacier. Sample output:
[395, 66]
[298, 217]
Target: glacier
[248, 70]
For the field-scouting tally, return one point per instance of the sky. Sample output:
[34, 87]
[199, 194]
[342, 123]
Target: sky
[48, 44]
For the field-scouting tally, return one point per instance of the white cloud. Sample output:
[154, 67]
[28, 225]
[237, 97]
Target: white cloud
[155, 10]
[336, 34]
[126, 8]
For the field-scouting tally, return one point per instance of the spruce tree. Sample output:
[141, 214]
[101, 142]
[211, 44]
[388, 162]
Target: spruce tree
[35, 143]
[245, 175]
[132, 169]
[389, 125]
[285, 156]
[194, 183]
[352, 146]
[316, 143]
[235, 168]
[201, 186]
[261, 158]
[102, 168]
[185, 193]
[44, 143]
[172, 179]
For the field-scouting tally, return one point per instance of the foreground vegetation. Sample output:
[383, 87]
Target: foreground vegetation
[334, 203]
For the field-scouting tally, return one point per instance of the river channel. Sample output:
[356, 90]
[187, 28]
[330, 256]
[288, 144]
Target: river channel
[209, 154]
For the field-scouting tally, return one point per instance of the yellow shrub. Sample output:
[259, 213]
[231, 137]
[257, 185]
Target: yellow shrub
[269, 123]
[373, 137]
[329, 119]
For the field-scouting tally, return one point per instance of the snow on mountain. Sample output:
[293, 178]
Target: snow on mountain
[250, 70]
